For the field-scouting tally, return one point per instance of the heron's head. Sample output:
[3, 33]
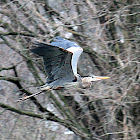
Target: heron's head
[96, 78]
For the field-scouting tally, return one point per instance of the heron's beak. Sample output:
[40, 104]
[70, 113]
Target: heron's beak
[101, 77]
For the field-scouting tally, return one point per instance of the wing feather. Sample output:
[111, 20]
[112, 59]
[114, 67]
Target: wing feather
[57, 62]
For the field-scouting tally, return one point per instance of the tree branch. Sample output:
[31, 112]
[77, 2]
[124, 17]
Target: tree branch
[17, 33]
[47, 117]
[21, 112]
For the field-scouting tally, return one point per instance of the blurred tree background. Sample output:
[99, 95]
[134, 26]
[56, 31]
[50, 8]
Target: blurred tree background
[109, 33]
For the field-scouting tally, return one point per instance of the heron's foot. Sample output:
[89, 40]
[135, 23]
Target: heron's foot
[23, 98]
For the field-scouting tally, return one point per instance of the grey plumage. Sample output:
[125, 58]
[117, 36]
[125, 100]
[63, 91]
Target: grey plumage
[60, 61]
[57, 61]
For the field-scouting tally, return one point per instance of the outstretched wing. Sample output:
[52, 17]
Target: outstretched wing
[71, 47]
[57, 62]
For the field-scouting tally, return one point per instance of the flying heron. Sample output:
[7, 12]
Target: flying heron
[60, 61]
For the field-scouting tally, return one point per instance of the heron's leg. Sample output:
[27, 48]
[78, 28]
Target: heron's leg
[27, 97]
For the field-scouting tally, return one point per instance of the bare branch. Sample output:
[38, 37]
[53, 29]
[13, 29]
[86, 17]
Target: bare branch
[17, 33]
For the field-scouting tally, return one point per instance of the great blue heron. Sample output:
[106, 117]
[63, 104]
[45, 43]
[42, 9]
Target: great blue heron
[60, 60]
